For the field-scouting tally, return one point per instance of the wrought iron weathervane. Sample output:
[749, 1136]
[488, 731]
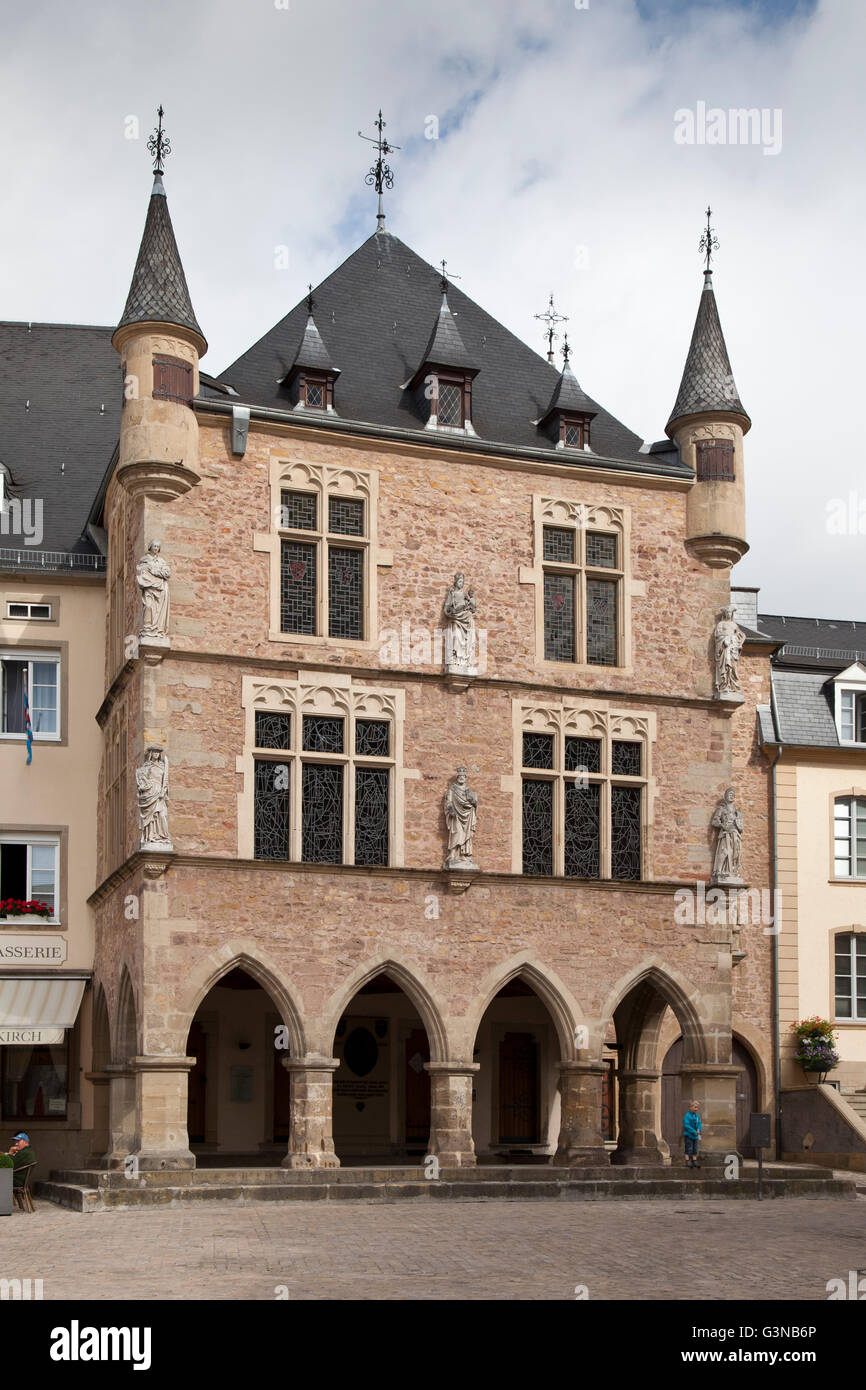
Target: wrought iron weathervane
[158, 144]
[551, 318]
[380, 175]
[446, 277]
[709, 242]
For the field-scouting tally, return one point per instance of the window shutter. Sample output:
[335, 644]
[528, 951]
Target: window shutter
[715, 460]
[172, 380]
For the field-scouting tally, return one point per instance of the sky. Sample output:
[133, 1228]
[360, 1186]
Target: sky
[545, 146]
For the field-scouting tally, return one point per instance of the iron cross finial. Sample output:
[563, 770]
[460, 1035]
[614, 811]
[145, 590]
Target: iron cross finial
[446, 276]
[709, 241]
[380, 175]
[158, 144]
[551, 318]
[566, 351]
[310, 300]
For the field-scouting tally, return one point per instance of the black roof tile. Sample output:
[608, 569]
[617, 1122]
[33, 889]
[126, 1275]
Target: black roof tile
[708, 383]
[159, 292]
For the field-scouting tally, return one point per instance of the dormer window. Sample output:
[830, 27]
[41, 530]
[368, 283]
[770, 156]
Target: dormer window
[850, 704]
[314, 392]
[442, 383]
[567, 419]
[573, 433]
[310, 379]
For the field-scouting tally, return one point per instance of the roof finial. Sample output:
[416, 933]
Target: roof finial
[158, 144]
[566, 352]
[551, 317]
[310, 300]
[446, 276]
[380, 176]
[708, 244]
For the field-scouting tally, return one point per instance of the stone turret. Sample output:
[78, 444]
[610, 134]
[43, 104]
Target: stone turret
[159, 342]
[708, 423]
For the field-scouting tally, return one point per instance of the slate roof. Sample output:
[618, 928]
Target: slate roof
[708, 382]
[802, 670]
[159, 290]
[445, 347]
[59, 449]
[375, 314]
[312, 352]
[568, 395]
[828, 643]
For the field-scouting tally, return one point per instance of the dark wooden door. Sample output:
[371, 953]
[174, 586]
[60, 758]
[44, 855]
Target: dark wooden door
[608, 1101]
[417, 1089]
[518, 1089]
[196, 1111]
[747, 1097]
[282, 1098]
[673, 1106]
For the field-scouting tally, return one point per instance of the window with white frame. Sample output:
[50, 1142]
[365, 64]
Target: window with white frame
[29, 868]
[849, 836]
[30, 612]
[850, 704]
[850, 975]
[29, 679]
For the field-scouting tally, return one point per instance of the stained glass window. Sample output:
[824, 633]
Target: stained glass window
[600, 622]
[321, 813]
[371, 815]
[625, 759]
[537, 826]
[322, 734]
[297, 587]
[559, 544]
[345, 592]
[298, 511]
[582, 830]
[273, 730]
[600, 550]
[271, 810]
[583, 753]
[346, 516]
[538, 750]
[450, 404]
[559, 617]
[625, 804]
[372, 738]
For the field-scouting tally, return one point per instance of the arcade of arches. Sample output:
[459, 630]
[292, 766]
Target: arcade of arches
[526, 1095]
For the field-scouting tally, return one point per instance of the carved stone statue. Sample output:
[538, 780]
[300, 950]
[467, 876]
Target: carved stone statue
[151, 779]
[460, 642]
[152, 575]
[461, 816]
[728, 639]
[728, 824]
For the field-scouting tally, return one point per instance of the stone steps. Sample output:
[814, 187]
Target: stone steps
[93, 1191]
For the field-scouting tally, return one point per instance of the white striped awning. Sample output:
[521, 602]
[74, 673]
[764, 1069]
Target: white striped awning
[38, 1008]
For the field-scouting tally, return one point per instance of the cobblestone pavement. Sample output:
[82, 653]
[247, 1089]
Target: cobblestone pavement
[780, 1249]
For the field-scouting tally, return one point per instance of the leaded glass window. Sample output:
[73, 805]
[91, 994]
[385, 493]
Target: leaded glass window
[371, 815]
[559, 637]
[582, 829]
[321, 813]
[271, 810]
[273, 730]
[315, 394]
[625, 759]
[372, 738]
[600, 550]
[601, 622]
[537, 826]
[573, 436]
[850, 974]
[583, 754]
[298, 511]
[298, 587]
[450, 404]
[625, 832]
[346, 515]
[322, 734]
[581, 606]
[538, 750]
[559, 544]
[345, 592]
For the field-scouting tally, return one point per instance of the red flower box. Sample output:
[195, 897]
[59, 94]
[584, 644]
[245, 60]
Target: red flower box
[21, 907]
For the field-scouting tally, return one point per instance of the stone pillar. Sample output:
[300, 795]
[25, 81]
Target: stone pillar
[161, 1104]
[714, 1087]
[451, 1113]
[311, 1129]
[639, 1112]
[581, 1141]
[121, 1113]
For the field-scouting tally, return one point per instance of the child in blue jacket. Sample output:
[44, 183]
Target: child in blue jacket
[691, 1134]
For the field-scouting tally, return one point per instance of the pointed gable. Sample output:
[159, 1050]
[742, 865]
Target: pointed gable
[159, 292]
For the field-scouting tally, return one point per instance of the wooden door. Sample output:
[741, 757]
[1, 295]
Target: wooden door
[747, 1097]
[417, 1089]
[196, 1110]
[518, 1089]
[282, 1098]
[673, 1106]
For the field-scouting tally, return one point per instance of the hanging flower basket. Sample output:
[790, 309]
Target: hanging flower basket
[21, 907]
[816, 1046]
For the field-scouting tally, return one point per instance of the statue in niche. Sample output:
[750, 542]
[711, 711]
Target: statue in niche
[152, 575]
[728, 639]
[460, 642]
[728, 824]
[151, 780]
[461, 816]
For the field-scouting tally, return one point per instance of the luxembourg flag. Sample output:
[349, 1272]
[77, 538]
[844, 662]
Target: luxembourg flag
[28, 727]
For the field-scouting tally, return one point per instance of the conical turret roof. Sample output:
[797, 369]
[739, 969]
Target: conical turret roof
[708, 382]
[159, 292]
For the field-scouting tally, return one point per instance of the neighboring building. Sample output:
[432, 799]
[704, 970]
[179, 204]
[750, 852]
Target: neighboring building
[313, 505]
[59, 418]
[814, 731]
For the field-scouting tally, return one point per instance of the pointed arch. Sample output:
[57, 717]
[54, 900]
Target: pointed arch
[560, 1004]
[655, 980]
[125, 1042]
[100, 1029]
[408, 977]
[242, 955]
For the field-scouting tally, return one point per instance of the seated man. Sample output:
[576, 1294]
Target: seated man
[22, 1157]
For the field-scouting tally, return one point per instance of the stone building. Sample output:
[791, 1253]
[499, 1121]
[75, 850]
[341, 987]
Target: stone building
[416, 732]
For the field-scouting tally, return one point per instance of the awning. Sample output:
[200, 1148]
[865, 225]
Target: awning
[38, 1008]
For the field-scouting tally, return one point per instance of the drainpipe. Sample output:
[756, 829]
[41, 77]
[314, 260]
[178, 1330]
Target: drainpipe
[777, 1040]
